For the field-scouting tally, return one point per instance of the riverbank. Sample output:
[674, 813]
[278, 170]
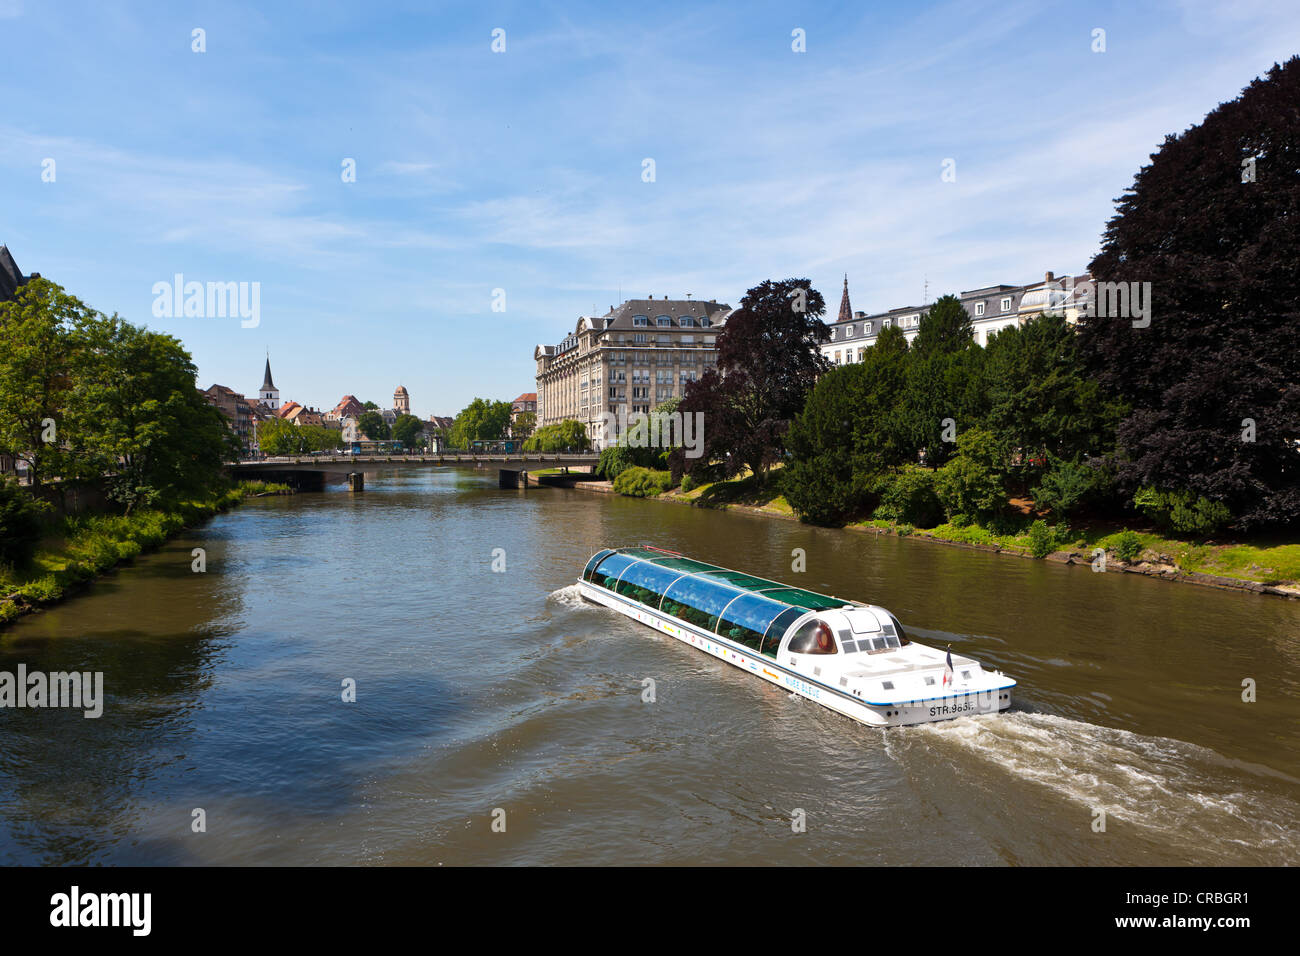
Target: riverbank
[1271, 567]
[77, 550]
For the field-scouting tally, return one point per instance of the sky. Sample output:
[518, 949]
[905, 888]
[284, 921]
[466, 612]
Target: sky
[498, 196]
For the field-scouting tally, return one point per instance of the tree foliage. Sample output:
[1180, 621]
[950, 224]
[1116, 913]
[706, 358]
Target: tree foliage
[480, 420]
[372, 425]
[568, 435]
[768, 361]
[1213, 380]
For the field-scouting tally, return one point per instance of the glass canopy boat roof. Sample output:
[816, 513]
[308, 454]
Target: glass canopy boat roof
[753, 611]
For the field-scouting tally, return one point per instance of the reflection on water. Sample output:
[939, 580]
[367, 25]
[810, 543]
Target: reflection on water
[479, 690]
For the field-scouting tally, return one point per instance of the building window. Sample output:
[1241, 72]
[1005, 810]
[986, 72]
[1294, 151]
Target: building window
[1006, 304]
[837, 358]
[664, 321]
[979, 308]
[848, 332]
[639, 338]
[640, 320]
[704, 322]
[686, 322]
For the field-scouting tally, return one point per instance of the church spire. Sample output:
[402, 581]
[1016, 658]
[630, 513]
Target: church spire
[846, 312]
[266, 379]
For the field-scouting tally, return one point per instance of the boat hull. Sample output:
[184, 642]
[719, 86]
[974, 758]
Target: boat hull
[873, 714]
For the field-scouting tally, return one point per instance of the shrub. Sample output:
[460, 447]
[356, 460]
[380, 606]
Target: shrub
[1065, 486]
[1128, 546]
[642, 482]
[42, 590]
[688, 483]
[20, 524]
[970, 484]
[1041, 540]
[910, 497]
[1182, 511]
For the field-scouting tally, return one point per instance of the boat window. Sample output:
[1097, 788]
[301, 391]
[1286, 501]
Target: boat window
[902, 634]
[646, 583]
[595, 560]
[698, 601]
[776, 630]
[815, 637]
[742, 580]
[747, 618]
[606, 573]
[804, 599]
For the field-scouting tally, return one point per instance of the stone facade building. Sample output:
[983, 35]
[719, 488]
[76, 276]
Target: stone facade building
[635, 356]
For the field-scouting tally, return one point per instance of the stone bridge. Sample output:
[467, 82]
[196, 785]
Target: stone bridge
[307, 472]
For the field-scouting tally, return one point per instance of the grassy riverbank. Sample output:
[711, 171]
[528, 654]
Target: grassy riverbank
[76, 550]
[1272, 563]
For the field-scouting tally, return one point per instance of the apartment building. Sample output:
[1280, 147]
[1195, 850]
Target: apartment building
[991, 309]
[636, 356]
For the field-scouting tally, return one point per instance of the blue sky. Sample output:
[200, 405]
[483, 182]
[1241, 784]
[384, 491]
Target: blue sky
[522, 170]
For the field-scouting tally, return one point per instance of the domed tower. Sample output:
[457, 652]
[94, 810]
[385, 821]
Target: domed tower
[269, 395]
[402, 401]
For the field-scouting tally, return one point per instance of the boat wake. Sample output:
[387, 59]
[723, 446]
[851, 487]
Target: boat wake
[1182, 791]
[570, 597]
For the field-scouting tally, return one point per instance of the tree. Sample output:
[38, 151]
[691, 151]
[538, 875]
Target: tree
[278, 437]
[372, 425]
[768, 362]
[568, 435]
[480, 420]
[847, 436]
[945, 328]
[523, 424]
[20, 523]
[137, 413]
[36, 374]
[1042, 402]
[407, 429]
[1212, 372]
[970, 486]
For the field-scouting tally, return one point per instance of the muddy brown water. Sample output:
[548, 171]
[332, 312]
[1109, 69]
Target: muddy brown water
[481, 690]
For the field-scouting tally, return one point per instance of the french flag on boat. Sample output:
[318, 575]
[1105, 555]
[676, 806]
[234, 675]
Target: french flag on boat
[947, 669]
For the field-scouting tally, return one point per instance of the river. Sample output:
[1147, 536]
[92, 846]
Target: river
[500, 720]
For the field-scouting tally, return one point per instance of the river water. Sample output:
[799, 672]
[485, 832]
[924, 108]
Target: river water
[498, 697]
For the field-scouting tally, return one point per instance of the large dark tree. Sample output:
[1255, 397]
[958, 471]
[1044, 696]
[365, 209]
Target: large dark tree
[1213, 223]
[848, 435]
[768, 361]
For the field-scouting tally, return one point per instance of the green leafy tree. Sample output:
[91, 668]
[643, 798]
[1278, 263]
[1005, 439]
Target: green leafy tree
[847, 437]
[480, 420]
[1042, 401]
[524, 424]
[36, 374]
[970, 485]
[568, 435]
[407, 429]
[136, 413]
[945, 328]
[372, 425]
[20, 524]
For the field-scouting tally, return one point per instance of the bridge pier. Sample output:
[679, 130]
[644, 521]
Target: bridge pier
[356, 481]
[512, 478]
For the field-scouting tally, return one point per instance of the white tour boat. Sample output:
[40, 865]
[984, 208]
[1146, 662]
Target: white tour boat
[854, 658]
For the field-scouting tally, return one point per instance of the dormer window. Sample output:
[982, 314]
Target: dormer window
[687, 322]
[1006, 304]
[664, 321]
[848, 332]
[640, 320]
[979, 308]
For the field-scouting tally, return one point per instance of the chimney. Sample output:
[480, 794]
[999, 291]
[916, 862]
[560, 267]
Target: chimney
[1050, 277]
